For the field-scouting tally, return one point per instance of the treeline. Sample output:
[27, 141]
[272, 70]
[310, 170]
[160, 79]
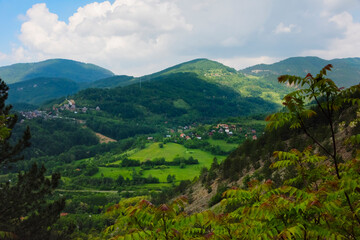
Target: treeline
[63, 163]
[147, 164]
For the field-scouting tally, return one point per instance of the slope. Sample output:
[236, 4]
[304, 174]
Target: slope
[38, 90]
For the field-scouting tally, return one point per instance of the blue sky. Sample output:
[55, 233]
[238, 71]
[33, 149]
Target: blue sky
[137, 37]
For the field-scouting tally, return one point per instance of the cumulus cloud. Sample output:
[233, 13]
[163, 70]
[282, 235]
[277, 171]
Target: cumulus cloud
[348, 45]
[126, 29]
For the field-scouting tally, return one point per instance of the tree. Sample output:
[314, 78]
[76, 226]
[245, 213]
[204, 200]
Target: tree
[25, 212]
[322, 200]
[170, 178]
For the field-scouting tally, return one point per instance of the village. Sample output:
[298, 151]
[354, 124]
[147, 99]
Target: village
[230, 132]
[67, 105]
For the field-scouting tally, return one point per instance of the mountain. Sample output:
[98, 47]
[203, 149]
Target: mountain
[38, 90]
[346, 71]
[259, 81]
[54, 68]
[214, 72]
[200, 66]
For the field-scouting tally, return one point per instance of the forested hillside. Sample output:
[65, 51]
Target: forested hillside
[214, 72]
[39, 90]
[180, 98]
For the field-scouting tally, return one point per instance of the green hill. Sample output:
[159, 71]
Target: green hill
[214, 72]
[345, 72]
[199, 66]
[39, 90]
[59, 68]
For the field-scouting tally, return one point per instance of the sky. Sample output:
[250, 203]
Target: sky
[138, 37]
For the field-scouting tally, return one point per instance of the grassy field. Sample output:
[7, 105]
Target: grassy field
[169, 151]
[187, 173]
[172, 150]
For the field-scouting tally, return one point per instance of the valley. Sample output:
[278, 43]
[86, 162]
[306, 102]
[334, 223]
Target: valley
[199, 125]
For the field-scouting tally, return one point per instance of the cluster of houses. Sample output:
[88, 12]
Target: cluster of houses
[221, 128]
[224, 128]
[190, 136]
[70, 105]
[37, 114]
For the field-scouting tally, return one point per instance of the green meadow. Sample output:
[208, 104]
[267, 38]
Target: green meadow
[169, 151]
[172, 150]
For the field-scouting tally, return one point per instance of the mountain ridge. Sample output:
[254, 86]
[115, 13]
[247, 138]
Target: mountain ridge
[256, 81]
[63, 68]
[344, 68]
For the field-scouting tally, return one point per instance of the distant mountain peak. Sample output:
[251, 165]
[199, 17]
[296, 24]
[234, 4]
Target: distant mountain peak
[60, 68]
[345, 72]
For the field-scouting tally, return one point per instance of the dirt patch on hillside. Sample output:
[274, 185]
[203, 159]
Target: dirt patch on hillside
[104, 139]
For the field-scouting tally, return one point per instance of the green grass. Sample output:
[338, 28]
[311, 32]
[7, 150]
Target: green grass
[180, 103]
[169, 151]
[187, 173]
[172, 150]
[227, 147]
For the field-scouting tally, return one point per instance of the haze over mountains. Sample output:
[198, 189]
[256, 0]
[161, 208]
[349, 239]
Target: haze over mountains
[346, 71]
[36, 83]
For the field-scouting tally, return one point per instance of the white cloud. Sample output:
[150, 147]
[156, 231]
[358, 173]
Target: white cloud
[281, 28]
[347, 45]
[244, 62]
[124, 30]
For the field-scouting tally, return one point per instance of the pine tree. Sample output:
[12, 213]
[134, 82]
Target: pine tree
[25, 211]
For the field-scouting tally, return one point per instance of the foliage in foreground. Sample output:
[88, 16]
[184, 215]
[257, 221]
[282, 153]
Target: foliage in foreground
[322, 201]
[25, 212]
